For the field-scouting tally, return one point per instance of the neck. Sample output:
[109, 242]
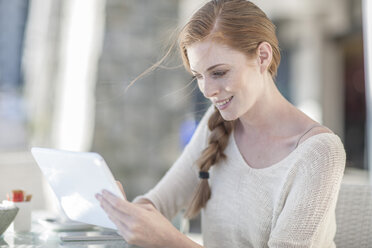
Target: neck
[271, 115]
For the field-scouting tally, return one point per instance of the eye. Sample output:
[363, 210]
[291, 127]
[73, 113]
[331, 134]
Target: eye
[218, 74]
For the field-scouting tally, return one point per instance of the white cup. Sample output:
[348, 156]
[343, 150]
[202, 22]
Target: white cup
[22, 221]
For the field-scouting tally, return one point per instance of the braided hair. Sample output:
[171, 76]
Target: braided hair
[214, 152]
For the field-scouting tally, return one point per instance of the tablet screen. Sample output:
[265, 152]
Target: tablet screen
[75, 178]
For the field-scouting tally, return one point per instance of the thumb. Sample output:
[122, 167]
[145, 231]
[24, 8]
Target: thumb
[121, 188]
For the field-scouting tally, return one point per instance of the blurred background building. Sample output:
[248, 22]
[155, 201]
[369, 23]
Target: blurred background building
[65, 66]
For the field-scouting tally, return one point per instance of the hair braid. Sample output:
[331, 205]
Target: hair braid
[211, 155]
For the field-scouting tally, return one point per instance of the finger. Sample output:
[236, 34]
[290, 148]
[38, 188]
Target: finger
[121, 188]
[112, 212]
[106, 204]
[123, 206]
[117, 217]
[121, 226]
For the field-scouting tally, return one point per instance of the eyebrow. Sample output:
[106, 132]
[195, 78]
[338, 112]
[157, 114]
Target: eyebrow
[210, 68]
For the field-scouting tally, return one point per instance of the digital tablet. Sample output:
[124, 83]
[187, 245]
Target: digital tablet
[75, 178]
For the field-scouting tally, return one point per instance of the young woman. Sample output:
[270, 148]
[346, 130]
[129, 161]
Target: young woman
[262, 173]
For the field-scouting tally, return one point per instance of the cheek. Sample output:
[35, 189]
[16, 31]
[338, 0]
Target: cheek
[236, 84]
[231, 83]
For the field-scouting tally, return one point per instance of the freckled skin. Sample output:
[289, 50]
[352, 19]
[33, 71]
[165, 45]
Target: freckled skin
[223, 73]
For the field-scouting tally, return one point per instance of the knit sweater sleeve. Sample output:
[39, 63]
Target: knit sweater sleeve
[175, 190]
[307, 203]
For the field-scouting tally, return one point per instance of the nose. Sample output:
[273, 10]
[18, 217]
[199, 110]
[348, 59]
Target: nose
[209, 88]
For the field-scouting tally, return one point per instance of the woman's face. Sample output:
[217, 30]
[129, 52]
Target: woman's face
[226, 77]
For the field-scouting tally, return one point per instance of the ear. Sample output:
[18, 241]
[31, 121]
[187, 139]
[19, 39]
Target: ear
[265, 55]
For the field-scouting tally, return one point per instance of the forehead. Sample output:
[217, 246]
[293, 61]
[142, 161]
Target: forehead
[204, 54]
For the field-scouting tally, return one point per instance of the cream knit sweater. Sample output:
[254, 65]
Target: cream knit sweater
[289, 204]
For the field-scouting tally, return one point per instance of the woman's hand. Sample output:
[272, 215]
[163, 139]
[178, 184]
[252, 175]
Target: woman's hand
[121, 188]
[141, 224]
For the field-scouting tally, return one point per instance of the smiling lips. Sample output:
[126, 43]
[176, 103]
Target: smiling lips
[223, 104]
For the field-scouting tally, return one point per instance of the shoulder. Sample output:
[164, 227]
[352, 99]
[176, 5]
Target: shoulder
[323, 153]
[315, 130]
[319, 164]
[319, 138]
[322, 140]
[325, 144]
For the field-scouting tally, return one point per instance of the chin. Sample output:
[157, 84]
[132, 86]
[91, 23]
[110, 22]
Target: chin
[228, 116]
